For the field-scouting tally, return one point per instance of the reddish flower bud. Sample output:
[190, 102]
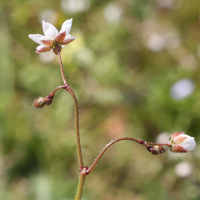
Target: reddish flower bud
[39, 102]
[156, 149]
[49, 99]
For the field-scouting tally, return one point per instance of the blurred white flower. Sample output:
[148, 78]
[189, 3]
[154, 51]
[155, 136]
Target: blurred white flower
[73, 6]
[112, 13]
[166, 3]
[181, 143]
[47, 57]
[156, 42]
[182, 88]
[52, 38]
[48, 15]
[183, 169]
[162, 137]
[170, 4]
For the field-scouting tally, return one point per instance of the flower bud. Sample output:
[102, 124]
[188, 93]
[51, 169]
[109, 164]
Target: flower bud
[181, 143]
[48, 99]
[156, 149]
[39, 102]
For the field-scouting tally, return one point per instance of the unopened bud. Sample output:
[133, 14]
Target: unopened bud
[156, 149]
[39, 102]
[181, 143]
[49, 99]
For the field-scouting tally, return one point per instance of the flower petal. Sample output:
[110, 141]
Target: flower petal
[50, 31]
[189, 144]
[66, 26]
[37, 38]
[68, 36]
[43, 48]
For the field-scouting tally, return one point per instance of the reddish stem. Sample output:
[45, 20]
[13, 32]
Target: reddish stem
[139, 141]
[58, 88]
[78, 142]
[109, 145]
[61, 68]
[69, 89]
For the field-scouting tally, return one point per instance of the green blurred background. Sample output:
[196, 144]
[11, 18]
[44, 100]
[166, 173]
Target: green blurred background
[135, 70]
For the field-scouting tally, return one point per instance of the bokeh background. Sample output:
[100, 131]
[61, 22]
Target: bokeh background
[135, 68]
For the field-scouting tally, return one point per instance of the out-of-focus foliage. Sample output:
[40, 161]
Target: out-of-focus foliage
[123, 66]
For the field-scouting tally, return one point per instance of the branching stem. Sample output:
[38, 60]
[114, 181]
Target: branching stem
[69, 89]
[84, 171]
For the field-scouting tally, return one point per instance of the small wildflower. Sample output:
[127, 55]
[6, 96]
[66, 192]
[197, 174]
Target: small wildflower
[52, 39]
[181, 143]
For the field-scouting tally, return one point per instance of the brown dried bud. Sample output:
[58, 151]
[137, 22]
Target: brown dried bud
[155, 149]
[39, 102]
[49, 99]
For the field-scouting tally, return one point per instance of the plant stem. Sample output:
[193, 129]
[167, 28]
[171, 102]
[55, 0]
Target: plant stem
[58, 88]
[156, 144]
[69, 89]
[61, 69]
[83, 173]
[82, 177]
[78, 142]
[139, 141]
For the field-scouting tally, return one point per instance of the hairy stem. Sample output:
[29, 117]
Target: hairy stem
[82, 177]
[78, 142]
[58, 88]
[62, 69]
[117, 140]
[69, 89]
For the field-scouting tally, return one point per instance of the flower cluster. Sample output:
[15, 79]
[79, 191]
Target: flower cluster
[52, 39]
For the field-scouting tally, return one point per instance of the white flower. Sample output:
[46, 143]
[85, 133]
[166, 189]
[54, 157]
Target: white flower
[52, 39]
[181, 143]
